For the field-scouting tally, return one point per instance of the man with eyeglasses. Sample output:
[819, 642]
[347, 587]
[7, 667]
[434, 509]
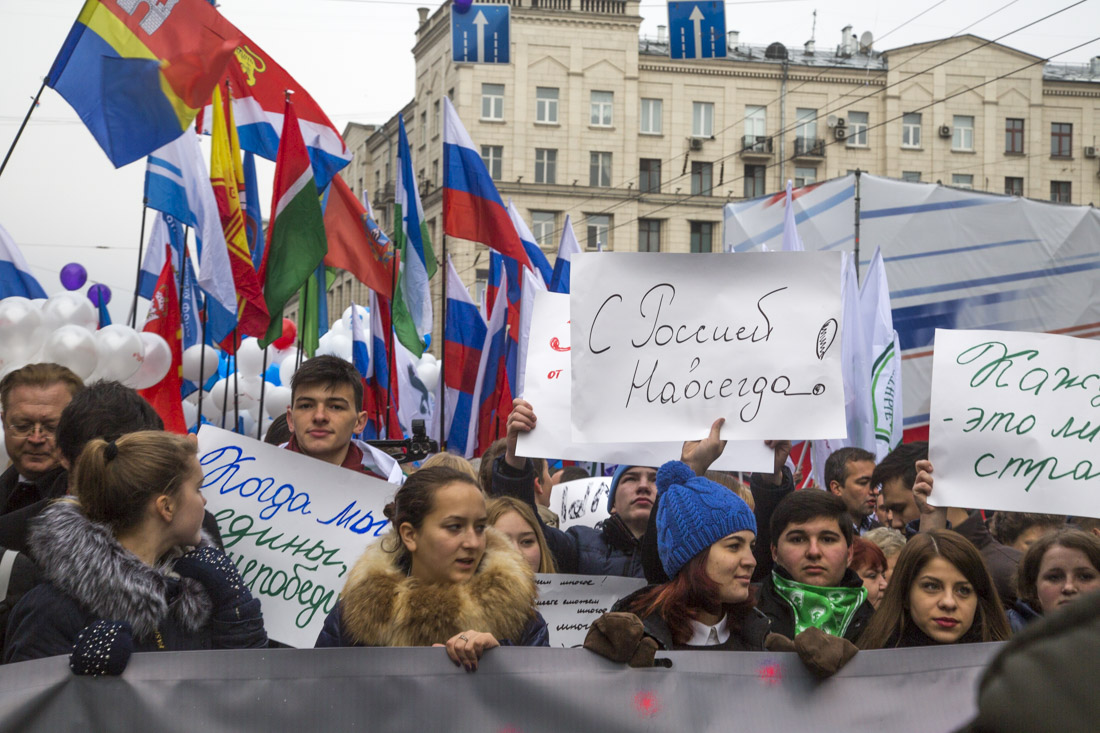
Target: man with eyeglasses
[31, 401]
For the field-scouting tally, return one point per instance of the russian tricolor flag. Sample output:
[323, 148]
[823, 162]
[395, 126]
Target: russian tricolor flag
[491, 393]
[15, 274]
[464, 338]
[380, 394]
[540, 265]
[559, 281]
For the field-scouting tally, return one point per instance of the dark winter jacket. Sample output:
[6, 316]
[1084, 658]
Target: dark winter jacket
[89, 576]
[381, 605]
[1002, 560]
[1020, 615]
[782, 615]
[746, 636]
[17, 508]
[766, 496]
[610, 549]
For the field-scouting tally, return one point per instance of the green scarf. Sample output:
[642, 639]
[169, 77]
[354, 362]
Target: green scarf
[829, 609]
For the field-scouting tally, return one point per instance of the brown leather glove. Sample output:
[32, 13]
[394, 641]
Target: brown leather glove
[774, 642]
[620, 637]
[823, 654]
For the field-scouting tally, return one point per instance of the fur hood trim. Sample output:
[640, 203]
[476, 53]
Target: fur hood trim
[381, 606]
[84, 560]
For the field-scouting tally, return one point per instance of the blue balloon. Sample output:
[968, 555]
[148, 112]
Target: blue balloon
[272, 375]
[427, 340]
[463, 5]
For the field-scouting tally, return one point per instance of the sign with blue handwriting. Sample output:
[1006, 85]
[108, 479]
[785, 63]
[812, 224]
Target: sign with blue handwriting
[570, 603]
[663, 344]
[293, 526]
[480, 35]
[696, 29]
[1015, 422]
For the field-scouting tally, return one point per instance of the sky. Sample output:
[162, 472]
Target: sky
[62, 201]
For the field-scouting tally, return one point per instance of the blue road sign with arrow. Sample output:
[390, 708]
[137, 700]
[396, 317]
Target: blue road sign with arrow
[480, 34]
[696, 29]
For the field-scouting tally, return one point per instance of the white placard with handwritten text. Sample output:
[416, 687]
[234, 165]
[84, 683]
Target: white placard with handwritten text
[292, 524]
[1015, 422]
[664, 343]
[582, 502]
[570, 603]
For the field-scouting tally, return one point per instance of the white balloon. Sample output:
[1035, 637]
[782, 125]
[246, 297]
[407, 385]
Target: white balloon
[73, 347]
[196, 358]
[190, 414]
[210, 409]
[158, 360]
[21, 330]
[121, 352]
[70, 308]
[250, 357]
[221, 392]
[338, 326]
[428, 357]
[287, 369]
[276, 400]
[336, 345]
[278, 356]
[248, 423]
[428, 374]
[362, 313]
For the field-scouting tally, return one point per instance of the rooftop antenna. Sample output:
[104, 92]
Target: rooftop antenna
[813, 28]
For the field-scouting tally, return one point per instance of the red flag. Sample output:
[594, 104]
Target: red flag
[164, 320]
[355, 242]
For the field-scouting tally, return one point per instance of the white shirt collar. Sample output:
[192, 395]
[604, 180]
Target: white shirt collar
[703, 635]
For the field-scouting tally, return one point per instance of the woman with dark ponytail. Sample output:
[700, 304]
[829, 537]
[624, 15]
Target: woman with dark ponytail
[441, 577]
[126, 565]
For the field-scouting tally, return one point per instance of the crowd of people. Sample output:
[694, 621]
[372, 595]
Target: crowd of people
[108, 548]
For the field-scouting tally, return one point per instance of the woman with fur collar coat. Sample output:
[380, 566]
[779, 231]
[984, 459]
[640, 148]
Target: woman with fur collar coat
[120, 571]
[442, 577]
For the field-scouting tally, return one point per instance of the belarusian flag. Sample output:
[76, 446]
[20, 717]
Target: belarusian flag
[296, 235]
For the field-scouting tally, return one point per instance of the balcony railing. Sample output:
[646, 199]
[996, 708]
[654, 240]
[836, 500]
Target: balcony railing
[809, 147]
[756, 145]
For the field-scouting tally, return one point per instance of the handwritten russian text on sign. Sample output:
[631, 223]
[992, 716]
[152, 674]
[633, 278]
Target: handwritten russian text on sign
[570, 603]
[547, 388]
[293, 525]
[582, 502]
[1015, 422]
[664, 343]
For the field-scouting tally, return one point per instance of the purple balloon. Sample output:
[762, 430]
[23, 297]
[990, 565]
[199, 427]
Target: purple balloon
[73, 276]
[99, 292]
[463, 5]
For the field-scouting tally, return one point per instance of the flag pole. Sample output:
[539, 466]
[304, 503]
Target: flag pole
[389, 347]
[34, 104]
[857, 205]
[263, 384]
[442, 406]
[137, 280]
[236, 390]
[225, 389]
[202, 364]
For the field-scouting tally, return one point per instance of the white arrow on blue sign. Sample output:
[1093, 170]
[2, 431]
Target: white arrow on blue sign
[696, 30]
[480, 35]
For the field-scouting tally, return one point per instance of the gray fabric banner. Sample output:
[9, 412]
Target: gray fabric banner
[516, 690]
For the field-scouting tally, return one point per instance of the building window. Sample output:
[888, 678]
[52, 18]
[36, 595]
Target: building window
[702, 235]
[651, 117]
[857, 129]
[378, 183]
[702, 119]
[492, 101]
[649, 175]
[1014, 136]
[910, 130]
[910, 176]
[546, 105]
[600, 109]
[1061, 191]
[962, 133]
[702, 178]
[1061, 140]
[805, 176]
[423, 128]
[805, 121]
[543, 225]
[435, 172]
[1014, 186]
[493, 156]
[599, 227]
[754, 180]
[962, 180]
[435, 118]
[756, 121]
[649, 235]
[546, 165]
[599, 169]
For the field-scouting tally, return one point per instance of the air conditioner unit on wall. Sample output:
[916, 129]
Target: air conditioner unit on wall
[1090, 151]
[841, 122]
[945, 130]
[696, 143]
[840, 132]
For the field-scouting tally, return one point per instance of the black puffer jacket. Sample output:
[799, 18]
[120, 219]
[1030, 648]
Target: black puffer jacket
[748, 636]
[89, 576]
[782, 615]
[609, 550]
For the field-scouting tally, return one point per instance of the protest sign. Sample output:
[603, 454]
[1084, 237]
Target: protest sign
[293, 525]
[570, 603]
[582, 502]
[547, 387]
[662, 344]
[1014, 423]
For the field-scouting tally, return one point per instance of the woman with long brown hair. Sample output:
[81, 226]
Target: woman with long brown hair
[940, 593]
[516, 521]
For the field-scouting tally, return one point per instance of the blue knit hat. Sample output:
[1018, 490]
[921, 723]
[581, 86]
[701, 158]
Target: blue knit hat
[615, 485]
[694, 513]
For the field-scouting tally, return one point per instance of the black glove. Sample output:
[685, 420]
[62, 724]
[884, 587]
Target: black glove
[103, 647]
[621, 637]
[217, 574]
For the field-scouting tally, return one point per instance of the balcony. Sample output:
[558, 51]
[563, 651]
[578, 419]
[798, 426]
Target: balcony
[809, 148]
[756, 147]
